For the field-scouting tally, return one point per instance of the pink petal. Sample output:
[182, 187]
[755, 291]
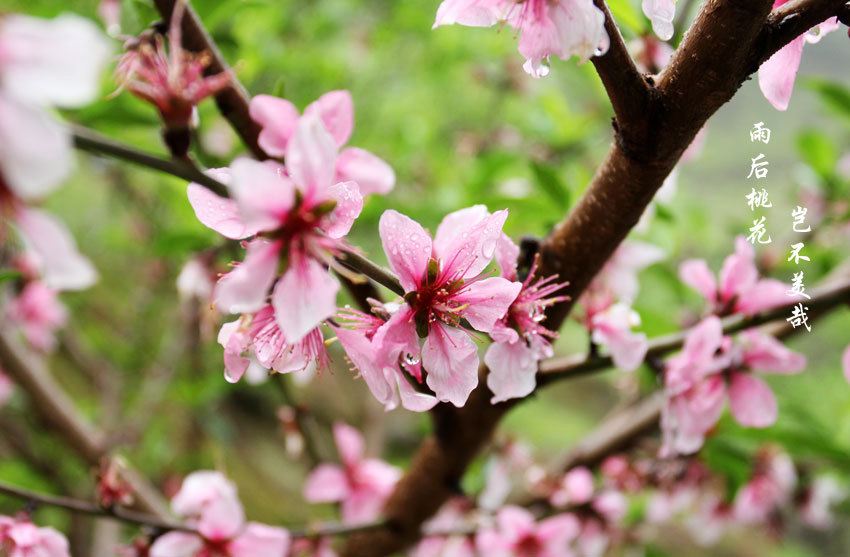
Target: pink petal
[259, 539]
[612, 329]
[349, 203]
[36, 153]
[245, 288]
[327, 483]
[507, 254]
[661, 14]
[696, 274]
[513, 370]
[488, 300]
[578, 483]
[53, 62]
[739, 272]
[845, 362]
[176, 544]
[218, 213]
[55, 252]
[378, 476]
[704, 339]
[466, 241]
[371, 173]
[763, 295]
[451, 359]
[472, 13]
[362, 506]
[408, 247]
[767, 354]
[234, 342]
[410, 398]
[304, 297]
[751, 401]
[515, 522]
[262, 192]
[210, 500]
[336, 110]
[556, 532]
[778, 74]
[349, 443]
[362, 354]
[311, 159]
[278, 118]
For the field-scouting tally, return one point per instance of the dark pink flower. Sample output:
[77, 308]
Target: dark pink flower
[39, 313]
[770, 488]
[517, 534]
[444, 287]
[21, 538]
[170, 78]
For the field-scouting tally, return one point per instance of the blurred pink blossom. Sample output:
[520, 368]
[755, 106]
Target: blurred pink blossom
[612, 328]
[361, 485]
[39, 313]
[517, 533]
[21, 538]
[576, 488]
[771, 487]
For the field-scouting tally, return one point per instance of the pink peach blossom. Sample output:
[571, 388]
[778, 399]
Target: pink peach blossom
[739, 289]
[612, 328]
[361, 485]
[39, 313]
[618, 279]
[710, 367]
[170, 78]
[777, 75]
[519, 338]
[385, 356]
[208, 501]
[576, 488]
[444, 285]
[258, 338]
[279, 119]
[21, 538]
[300, 214]
[661, 14]
[770, 488]
[517, 533]
[819, 500]
[449, 517]
[561, 28]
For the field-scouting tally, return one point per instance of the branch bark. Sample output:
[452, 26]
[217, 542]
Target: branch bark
[51, 402]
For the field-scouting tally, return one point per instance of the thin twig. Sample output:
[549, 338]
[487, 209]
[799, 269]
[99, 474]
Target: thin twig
[93, 142]
[825, 297]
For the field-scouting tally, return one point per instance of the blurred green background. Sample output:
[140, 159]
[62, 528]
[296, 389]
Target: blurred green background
[452, 111]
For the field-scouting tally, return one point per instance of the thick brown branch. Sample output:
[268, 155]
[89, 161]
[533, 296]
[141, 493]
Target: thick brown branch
[232, 101]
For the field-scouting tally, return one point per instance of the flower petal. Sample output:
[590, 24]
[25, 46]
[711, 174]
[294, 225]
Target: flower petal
[451, 359]
[696, 274]
[661, 14]
[62, 267]
[336, 110]
[218, 213]
[35, 149]
[349, 443]
[488, 301]
[751, 401]
[304, 297]
[259, 539]
[311, 158]
[845, 362]
[513, 370]
[767, 354]
[507, 256]
[472, 13]
[349, 203]
[408, 247]
[56, 62]
[778, 74]
[327, 483]
[466, 241]
[176, 544]
[245, 288]
[278, 118]
[371, 173]
[263, 193]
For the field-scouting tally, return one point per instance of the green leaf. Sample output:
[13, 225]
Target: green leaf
[833, 95]
[818, 151]
[8, 274]
[551, 183]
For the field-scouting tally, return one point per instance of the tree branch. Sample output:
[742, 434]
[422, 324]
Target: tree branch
[51, 402]
[825, 297]
[93, 142]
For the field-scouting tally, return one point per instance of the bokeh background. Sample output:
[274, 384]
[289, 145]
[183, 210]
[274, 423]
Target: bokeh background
[454, 114]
